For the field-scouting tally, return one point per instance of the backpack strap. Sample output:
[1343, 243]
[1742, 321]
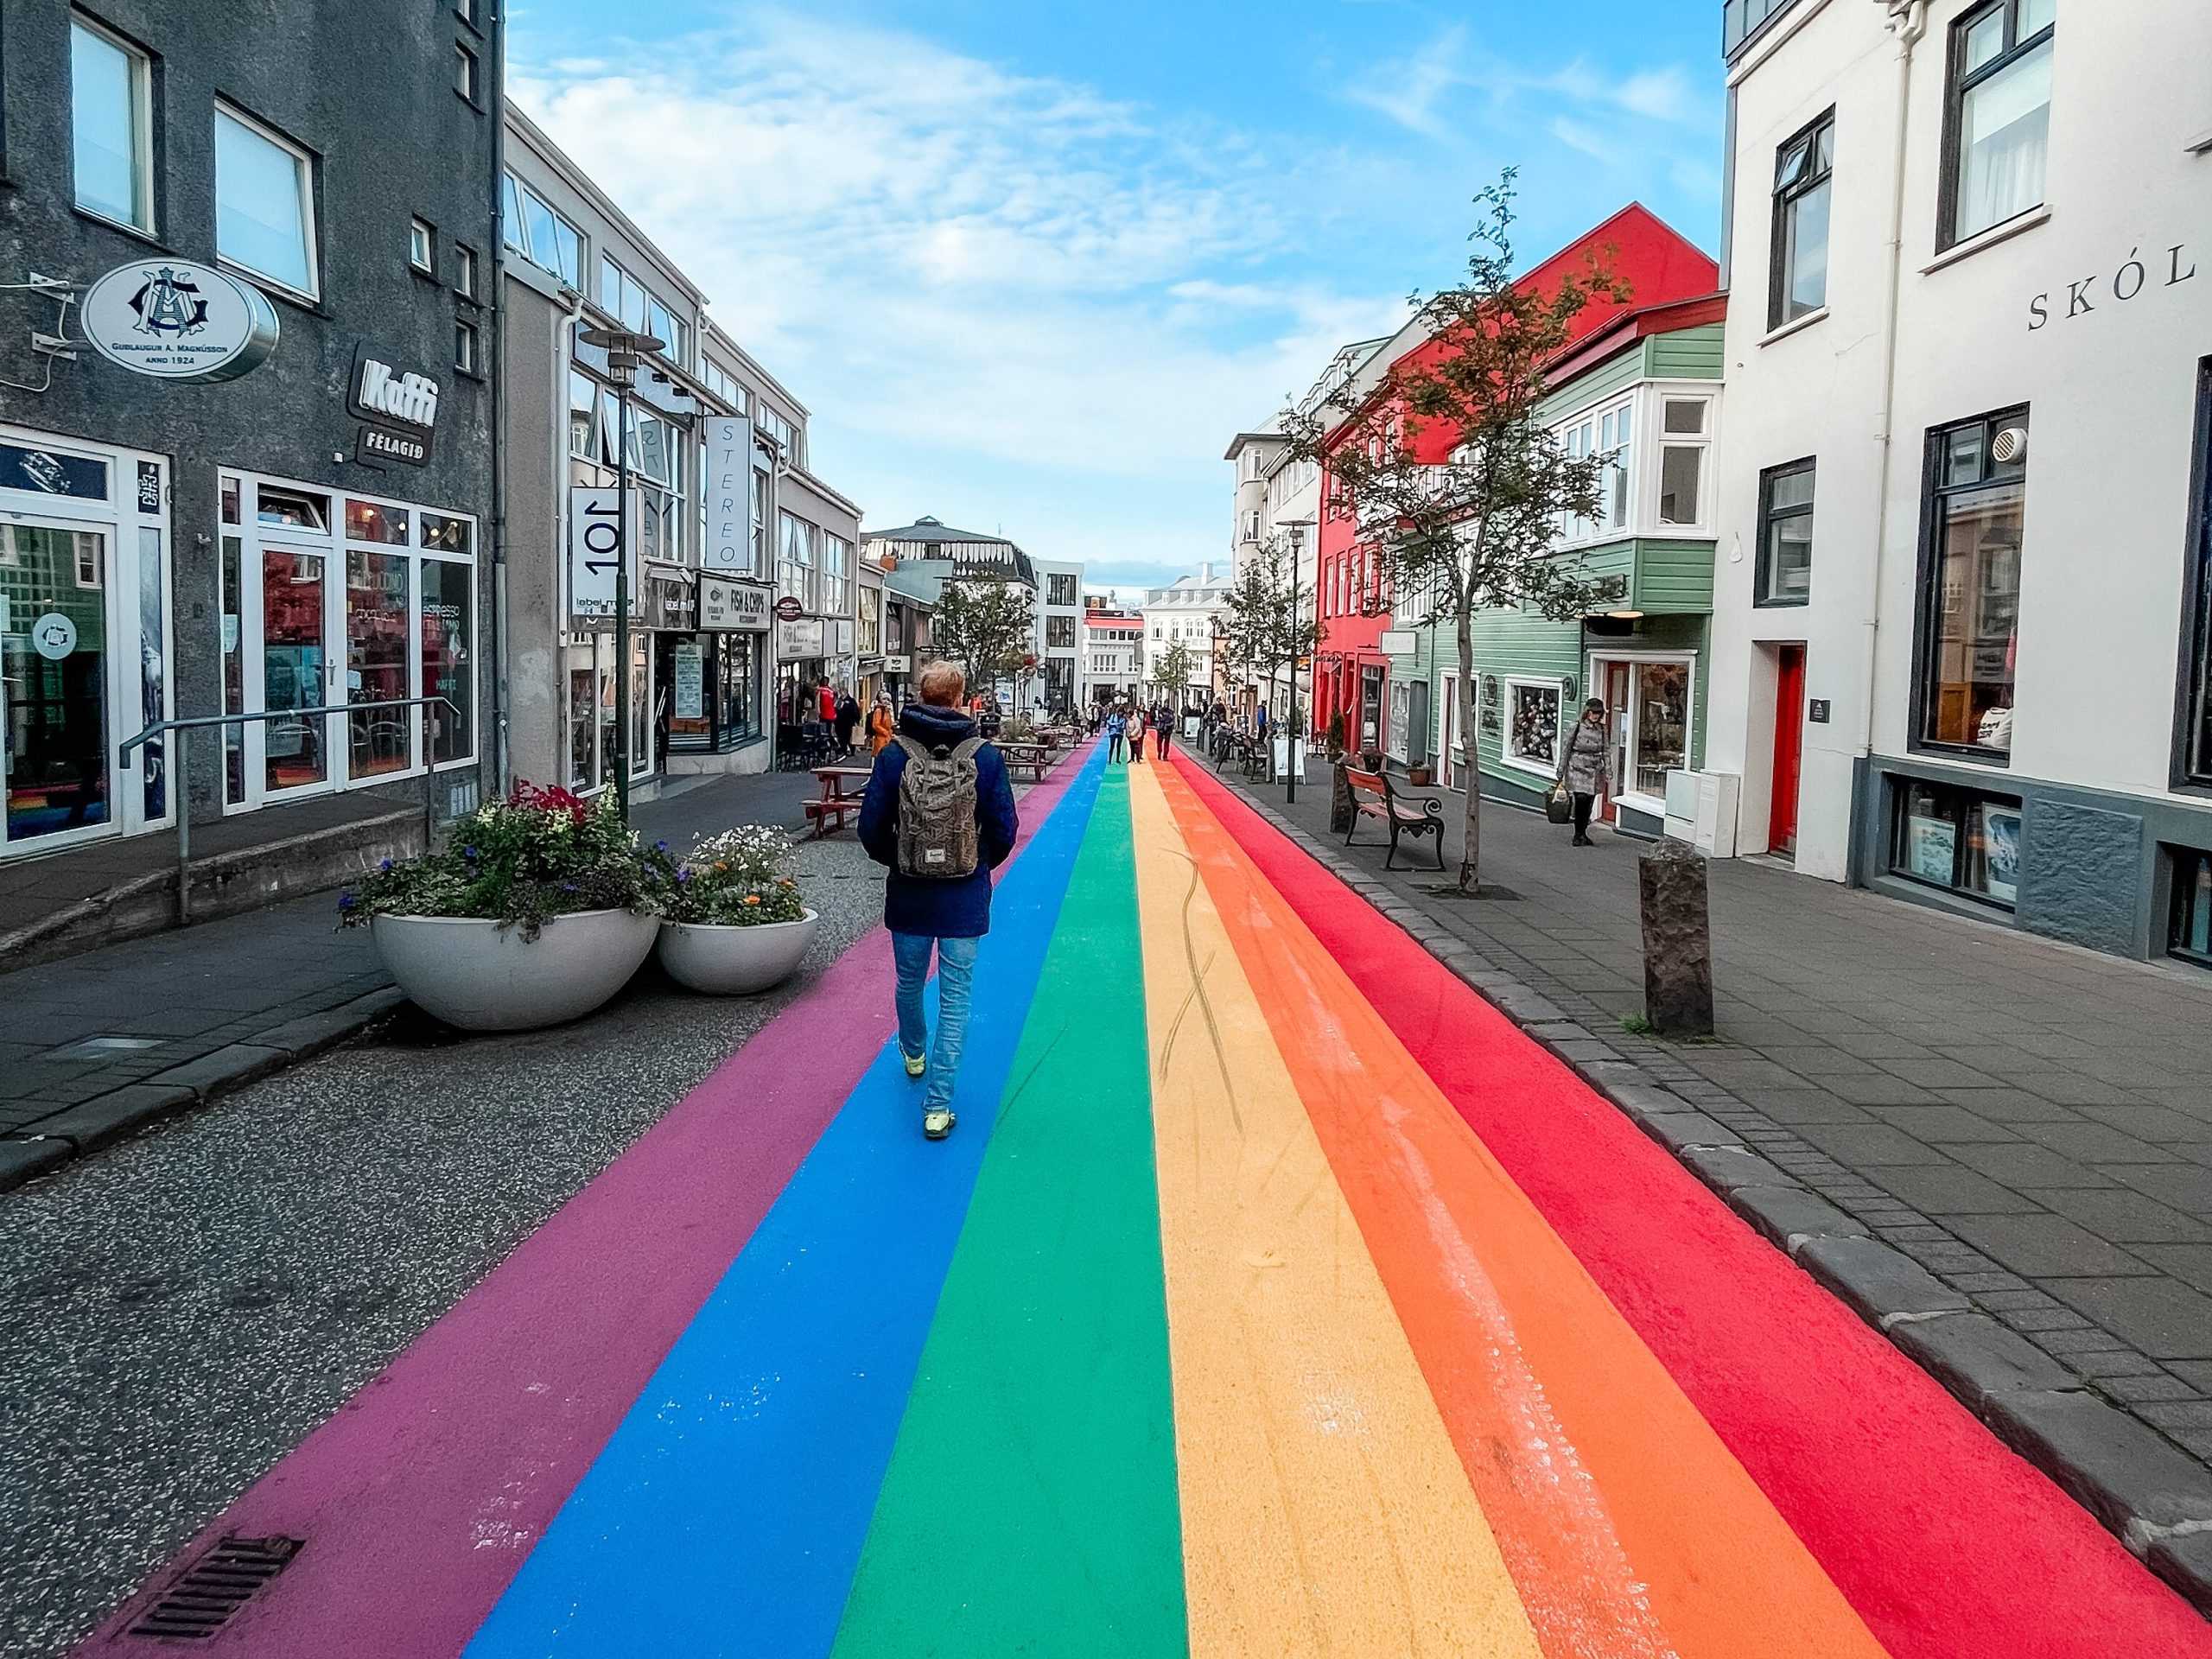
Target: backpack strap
[967, 749]
[915, 750]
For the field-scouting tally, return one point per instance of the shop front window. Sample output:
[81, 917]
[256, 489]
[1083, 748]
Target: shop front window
[54, 668]
[449, 663]
[583, 770]
[1958, 839]
[291, 667]
[379, 739]
[1532, 724]
[153, 673]
[2197, 739]
[1970, 591]
[1648, 705]
[2191, 938]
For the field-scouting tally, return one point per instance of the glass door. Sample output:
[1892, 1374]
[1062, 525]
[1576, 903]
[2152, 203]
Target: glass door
[54, 673]
[379, 741]
[293, 624]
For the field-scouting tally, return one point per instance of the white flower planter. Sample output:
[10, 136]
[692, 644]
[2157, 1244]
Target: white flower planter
[481, 976]
[736, 961]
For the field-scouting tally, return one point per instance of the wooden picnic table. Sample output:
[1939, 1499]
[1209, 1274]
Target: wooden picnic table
[1035, 759]
[840, 794]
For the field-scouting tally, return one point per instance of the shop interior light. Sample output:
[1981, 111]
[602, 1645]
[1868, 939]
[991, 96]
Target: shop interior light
[1625, 616]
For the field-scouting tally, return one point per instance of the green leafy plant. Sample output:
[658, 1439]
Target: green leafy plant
[1017, 728]
[539, 854]
[736, 879]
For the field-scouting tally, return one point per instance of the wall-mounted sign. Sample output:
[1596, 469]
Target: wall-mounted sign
[398, 412]
[1818, 711]
[729, 479]
[799, 640]
[54, 636]
[727, 607]
[1400, 642]
[2144, 270]
[690, 680]
[176, 320]
[841, 637]
[789, 609]
[898, 664]
[595, 539]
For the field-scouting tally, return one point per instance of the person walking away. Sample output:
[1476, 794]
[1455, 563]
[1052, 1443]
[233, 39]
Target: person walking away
[1163, 723]
[1117, 743]
[882, 725]
[1582, 766]
[848, 719]
[939, 813]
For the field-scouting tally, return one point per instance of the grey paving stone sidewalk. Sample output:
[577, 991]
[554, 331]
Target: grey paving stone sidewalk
[2031, 1123]
[150, 1014]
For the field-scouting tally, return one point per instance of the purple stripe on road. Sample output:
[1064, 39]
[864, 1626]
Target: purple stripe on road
[420, 1498]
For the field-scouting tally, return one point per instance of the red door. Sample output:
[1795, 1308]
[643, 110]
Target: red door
[1789, 747]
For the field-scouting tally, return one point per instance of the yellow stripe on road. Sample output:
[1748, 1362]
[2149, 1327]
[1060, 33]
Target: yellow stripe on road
[1325, 1509]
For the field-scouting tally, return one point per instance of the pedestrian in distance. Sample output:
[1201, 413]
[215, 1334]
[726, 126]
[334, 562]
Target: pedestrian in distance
[1138, 722]
[1582, 766]
[1163, 723]
[848, 718]
[939, 813]
[1117, 751]
[882, 724]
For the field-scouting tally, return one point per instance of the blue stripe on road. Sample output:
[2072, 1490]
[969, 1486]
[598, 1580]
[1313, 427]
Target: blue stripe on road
[726, 1514]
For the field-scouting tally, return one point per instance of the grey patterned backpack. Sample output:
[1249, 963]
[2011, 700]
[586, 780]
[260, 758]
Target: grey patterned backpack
[936, 811]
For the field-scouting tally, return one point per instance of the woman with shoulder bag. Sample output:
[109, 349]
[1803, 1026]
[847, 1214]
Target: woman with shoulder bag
[1582, 766]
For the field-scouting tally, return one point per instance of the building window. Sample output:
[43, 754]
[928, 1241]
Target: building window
[464, 71]
[464, 347]
[837, 562]
[1740, 19]
[2191, 938]
[1607, 434]
[1802, 178]
[1532, 725]
[1957, 839]
[264, 204]
[1998, 136]
[464, 9]
[795, 559]
[760, 522]
[1785, 573]
[1975, 511]
[464, 271]
[533, 230]
[111, 125]
[1681, 460]
[1059, 589]
[419, 252]
[1059, 633]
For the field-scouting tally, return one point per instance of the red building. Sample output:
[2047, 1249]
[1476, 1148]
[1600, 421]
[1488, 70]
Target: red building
[1350, 670]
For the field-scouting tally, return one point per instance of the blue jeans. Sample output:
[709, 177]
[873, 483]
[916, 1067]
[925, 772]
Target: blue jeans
[955, 976]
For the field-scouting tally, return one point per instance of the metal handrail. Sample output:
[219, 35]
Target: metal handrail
[181, 798]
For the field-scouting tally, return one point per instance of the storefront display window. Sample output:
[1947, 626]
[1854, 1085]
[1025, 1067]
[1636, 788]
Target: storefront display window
[449, 662]
[292, 626]
[54, 658]
[1958, 839]
[1970, 592]
[2196, 739]
[1648, 705]
[2191, 939]
[1532, 724]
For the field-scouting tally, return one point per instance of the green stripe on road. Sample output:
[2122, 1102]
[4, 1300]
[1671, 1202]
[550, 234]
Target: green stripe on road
[1030, 1503]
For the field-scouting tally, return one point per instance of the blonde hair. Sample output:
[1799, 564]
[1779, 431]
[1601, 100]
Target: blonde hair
[942, 683]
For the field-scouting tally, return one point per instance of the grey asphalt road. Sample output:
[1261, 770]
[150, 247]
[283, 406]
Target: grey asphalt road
[178, 1312]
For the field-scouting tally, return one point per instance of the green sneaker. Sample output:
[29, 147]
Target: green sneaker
[916, 1064]
[937, 1124]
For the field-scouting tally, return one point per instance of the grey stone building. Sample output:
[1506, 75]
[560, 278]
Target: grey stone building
[313, 530]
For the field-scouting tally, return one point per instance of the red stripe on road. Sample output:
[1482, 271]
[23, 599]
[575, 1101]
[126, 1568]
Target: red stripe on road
[1948, 1545]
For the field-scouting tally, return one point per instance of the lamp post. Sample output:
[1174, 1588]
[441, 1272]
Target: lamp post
[1297, 626]
[625, 349]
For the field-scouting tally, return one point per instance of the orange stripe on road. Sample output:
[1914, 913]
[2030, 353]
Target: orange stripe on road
[1325, 1509]
[1630, 1529]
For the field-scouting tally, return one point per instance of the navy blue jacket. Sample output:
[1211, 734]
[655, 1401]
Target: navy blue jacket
[958, 909]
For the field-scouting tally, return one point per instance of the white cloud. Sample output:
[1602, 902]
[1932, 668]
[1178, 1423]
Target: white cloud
[957, 266]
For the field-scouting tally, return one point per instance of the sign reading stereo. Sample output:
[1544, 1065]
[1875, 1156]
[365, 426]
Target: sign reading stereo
[398, 412]
[175, 320]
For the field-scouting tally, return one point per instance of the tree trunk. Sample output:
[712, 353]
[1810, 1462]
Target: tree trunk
[1470, 863]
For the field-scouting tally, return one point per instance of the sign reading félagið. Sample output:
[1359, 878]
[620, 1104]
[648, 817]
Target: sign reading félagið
[176, 320]
[398, 412]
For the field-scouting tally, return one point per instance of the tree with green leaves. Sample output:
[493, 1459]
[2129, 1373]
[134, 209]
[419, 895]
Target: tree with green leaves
[1456, 492]
[986, 624]
[1269, 625]
[1172, 673]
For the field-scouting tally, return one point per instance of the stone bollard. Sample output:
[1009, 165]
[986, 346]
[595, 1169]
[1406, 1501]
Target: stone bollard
[1677, 941]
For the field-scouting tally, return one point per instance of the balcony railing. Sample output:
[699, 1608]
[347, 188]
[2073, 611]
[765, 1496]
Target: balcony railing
[1741, 19]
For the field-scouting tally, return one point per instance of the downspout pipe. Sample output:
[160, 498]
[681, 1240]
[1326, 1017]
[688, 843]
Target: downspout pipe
[1907, 24]
[496, 328]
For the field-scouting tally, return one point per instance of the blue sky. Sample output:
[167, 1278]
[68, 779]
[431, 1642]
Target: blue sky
[1031, 266]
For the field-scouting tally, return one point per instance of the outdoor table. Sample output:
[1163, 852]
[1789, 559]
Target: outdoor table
[840, 794]
[1032, 758]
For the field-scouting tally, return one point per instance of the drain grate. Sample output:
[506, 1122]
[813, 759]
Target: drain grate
[209, 1594]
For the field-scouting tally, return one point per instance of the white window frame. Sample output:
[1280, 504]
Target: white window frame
[1534, 682]
[465, 274]
[303, 173]
[1593, 680]
[1587, 425]
[420, 233]
[1661, 394]
[141, 130]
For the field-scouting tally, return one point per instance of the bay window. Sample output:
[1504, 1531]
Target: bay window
[533, 230]
[1976, 510]
[1683, 441]
[111, 122]
[1802, 176]
[1998, 136]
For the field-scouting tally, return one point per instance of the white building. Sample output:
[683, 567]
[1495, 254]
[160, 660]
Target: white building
[1961, 648]
[1113, 651]
[1060, 647]
[1184, 613]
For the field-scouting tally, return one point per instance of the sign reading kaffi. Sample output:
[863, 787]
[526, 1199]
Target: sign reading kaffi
[175, 320]
[398, 412]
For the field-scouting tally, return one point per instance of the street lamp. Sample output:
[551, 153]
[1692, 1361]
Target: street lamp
[1297, 626]
[625, 349]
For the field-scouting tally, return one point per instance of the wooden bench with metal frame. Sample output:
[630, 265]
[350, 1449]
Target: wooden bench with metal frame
[1373, 798]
